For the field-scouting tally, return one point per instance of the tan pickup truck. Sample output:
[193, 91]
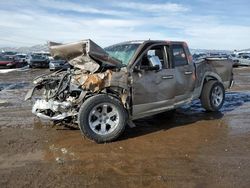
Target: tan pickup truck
[106, 89]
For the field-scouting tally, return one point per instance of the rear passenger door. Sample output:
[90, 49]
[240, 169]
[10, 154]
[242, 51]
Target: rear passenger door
[184, 73]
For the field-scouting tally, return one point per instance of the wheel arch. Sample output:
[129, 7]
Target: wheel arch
[118, 93]
[207, 77]
[86, 108]
[212, 99]
[211, 76]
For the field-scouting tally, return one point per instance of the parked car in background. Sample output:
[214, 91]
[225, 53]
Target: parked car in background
[57, 64]
[21, 57]
[245, 56]
[9, 54]
[198, 56]
[234, 59]
[46, 54]
[240, 60]
[38, 61]
[21, 60]
[244, 60]
[7, 62]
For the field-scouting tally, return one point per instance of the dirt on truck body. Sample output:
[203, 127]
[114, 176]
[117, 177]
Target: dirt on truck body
[108, 88]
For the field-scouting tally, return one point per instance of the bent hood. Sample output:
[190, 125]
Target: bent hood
[84, 54]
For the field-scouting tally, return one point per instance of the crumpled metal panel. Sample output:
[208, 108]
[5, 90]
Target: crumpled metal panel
[82, 52]
[85, 63]
[98, 81]
[92, 82]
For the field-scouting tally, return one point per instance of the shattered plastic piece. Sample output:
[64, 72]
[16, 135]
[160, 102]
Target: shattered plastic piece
[64, 150]
[59, 160]
[53, 148]
[53, 106]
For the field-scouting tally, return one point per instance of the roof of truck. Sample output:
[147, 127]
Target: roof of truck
[152, 41]
[144, 42]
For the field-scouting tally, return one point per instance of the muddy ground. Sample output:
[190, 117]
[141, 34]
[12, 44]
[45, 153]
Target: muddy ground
[190, 148]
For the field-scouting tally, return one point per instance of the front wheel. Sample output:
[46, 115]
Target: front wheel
[212, 96]
[102, 118]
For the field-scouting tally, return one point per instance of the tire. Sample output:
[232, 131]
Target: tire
[212, 96]
[102, 118]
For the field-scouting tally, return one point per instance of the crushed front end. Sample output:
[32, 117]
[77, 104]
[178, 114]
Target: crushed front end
[62, 93]
[58, 99]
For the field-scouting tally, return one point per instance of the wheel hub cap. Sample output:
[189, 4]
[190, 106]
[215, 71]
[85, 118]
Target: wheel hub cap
[217, 96]
[104, 118]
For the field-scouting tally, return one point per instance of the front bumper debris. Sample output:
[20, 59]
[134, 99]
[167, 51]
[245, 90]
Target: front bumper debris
[61, 110]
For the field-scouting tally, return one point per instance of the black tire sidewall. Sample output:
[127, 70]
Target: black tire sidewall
[83, 117]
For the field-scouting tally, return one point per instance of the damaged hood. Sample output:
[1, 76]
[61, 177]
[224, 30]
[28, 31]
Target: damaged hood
[84, 54]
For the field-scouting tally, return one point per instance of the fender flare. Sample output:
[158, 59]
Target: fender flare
[209, 76]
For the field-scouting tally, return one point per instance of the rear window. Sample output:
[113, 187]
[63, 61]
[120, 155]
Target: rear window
[179, 55]
[37, 57]
[21, 56]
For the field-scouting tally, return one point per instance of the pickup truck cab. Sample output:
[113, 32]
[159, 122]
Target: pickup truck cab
[109, 88]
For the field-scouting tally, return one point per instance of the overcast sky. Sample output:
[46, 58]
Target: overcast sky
[205, 24]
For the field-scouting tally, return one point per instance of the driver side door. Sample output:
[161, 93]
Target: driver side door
[153, 90]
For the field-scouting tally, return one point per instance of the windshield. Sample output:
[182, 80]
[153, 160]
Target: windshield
[37, 57]
[122, 52]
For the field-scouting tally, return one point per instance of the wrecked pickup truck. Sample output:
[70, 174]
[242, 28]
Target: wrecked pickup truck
[109, 88]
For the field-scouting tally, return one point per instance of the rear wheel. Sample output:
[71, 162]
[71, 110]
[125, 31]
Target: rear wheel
[212, 96]
[102, 118]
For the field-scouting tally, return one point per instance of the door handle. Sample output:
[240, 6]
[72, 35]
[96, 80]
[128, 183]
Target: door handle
[188, 72]
[167, 77]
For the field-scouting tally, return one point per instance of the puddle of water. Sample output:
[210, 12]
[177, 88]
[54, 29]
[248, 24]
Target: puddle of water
[4, 71]
[236, 108]
[238, 120]
[12, 86]
[239, 126]
[232, 101]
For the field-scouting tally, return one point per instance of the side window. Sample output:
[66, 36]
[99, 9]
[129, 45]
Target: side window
[158, 51]
[179, 56]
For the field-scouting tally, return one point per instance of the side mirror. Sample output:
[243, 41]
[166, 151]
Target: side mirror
[155, 63]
